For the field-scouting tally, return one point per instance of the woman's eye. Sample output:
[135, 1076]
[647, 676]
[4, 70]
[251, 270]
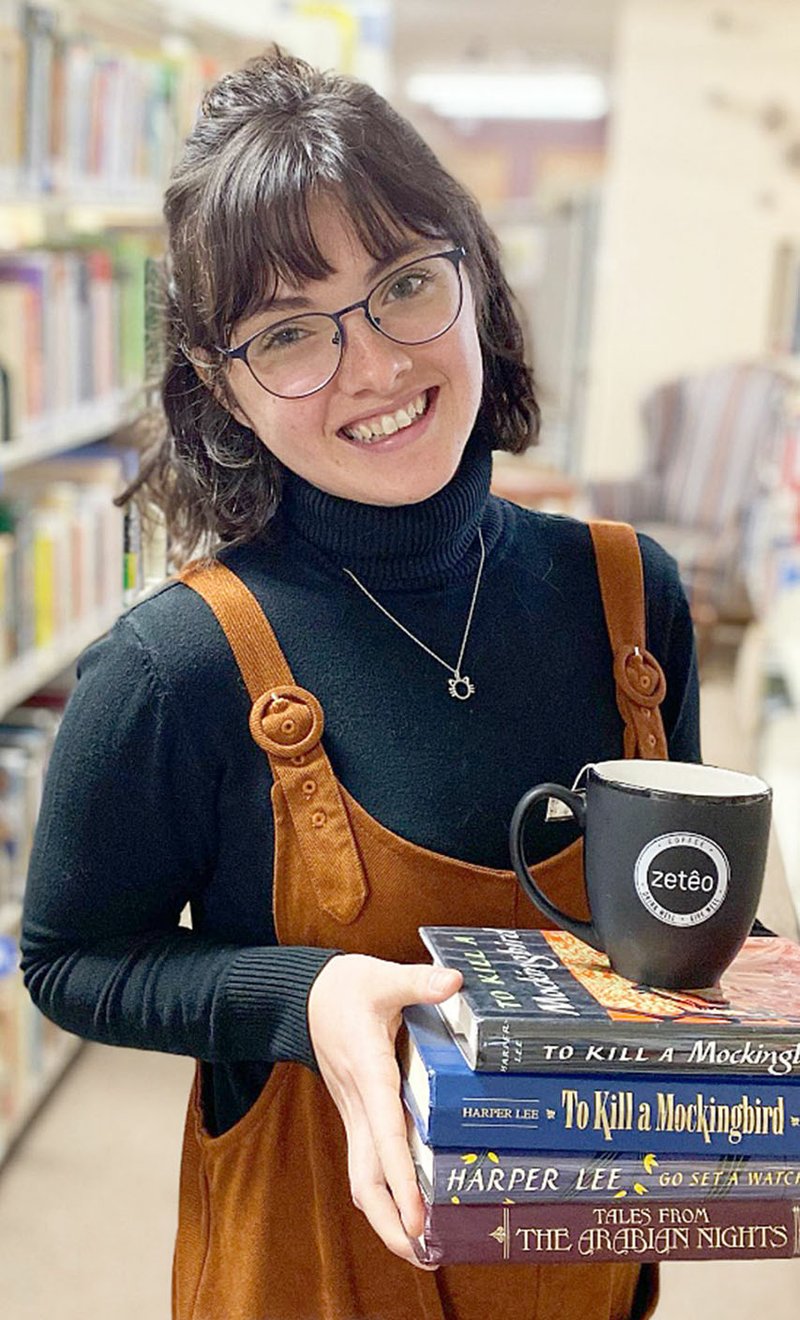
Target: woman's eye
[285, 337]
[406, 286]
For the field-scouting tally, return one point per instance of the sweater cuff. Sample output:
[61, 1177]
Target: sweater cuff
[265, 1002]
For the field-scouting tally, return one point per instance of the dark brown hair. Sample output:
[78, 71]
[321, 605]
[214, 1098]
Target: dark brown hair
[271, 137]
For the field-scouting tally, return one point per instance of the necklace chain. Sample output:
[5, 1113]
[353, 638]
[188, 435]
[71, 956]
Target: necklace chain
[460, 685]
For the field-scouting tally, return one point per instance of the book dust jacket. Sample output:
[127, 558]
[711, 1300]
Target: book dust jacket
[454, 1106]
[539, 1001]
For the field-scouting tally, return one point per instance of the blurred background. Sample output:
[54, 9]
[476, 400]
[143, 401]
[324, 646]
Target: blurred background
[639, 161]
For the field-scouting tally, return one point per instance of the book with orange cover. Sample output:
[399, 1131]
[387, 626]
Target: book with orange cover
[543, 1001]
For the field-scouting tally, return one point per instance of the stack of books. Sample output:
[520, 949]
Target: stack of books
[557, 1112]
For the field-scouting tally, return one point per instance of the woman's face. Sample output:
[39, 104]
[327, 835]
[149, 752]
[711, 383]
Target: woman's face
[376, 377]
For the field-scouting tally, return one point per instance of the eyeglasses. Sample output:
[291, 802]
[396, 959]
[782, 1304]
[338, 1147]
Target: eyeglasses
[415, 304]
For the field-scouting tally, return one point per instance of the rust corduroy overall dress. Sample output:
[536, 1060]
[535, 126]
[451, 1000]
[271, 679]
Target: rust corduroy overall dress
[267, 1229]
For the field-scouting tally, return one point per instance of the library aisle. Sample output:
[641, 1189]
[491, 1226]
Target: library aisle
[88, 1203]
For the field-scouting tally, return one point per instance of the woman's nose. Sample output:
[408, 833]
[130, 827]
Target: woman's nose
[370, 361]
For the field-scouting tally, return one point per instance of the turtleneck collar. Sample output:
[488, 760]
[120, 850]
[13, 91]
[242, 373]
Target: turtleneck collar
[408, 546]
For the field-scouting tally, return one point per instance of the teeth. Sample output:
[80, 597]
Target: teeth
[388, 423]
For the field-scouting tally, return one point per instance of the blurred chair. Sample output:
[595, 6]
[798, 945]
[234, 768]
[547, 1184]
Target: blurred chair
[710, 440]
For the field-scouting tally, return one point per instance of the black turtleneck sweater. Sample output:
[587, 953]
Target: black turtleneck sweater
[157, 797]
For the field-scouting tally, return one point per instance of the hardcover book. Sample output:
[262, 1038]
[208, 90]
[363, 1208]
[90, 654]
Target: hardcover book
[543, 1001]
[477, 1176]
[553, 1233]
[454, 1106]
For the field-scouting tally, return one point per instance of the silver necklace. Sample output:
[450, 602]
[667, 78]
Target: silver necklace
[460, 685]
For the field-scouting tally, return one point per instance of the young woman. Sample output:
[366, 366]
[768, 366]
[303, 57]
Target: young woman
[317, 732]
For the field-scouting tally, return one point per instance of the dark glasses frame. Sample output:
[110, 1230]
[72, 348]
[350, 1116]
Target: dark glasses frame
[455, 255]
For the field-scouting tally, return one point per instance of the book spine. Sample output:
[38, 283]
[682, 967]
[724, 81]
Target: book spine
[563, 1233]
[475, 1177]
[502, 1051]
[665, 1115]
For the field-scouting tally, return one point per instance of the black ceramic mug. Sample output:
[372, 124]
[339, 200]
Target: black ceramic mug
[674, 857]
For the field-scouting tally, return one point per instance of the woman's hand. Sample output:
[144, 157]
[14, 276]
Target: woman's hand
[354, 1012]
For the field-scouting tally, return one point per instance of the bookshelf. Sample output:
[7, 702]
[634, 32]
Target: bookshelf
[79, 425]
[784, 305]
[38, 1087]
[32, 671]
[94, 101]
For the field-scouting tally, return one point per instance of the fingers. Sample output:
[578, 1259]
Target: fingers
[383, 1110]
[402, 984]
[372, 1197]
[354, 1011]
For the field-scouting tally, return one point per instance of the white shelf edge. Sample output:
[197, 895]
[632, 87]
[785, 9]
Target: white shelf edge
[31, 671]
[71, 428]
[37, 1092]
[95, 196]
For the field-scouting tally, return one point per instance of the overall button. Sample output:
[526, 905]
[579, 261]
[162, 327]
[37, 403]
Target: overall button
[640, 676]
[287, 722]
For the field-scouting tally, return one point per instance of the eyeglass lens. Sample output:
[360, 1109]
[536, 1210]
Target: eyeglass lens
[414, 304]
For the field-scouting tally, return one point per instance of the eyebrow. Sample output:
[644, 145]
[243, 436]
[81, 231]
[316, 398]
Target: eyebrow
[297, 301]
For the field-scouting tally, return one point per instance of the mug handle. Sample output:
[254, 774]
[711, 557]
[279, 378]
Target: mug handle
[584, 930]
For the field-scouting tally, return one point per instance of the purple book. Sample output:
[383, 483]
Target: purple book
[564, 1233]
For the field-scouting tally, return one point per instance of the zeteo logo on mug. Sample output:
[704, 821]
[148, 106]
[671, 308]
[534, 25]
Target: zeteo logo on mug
[674, 857]
[682, 879]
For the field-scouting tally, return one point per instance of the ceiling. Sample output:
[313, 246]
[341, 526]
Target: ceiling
[503, 32]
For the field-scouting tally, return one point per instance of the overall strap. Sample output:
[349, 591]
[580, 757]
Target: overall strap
[287, 723]
[640, 682]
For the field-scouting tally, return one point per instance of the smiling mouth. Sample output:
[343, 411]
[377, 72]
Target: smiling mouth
[386, 424]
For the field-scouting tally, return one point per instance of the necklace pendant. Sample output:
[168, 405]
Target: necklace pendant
[460, 687]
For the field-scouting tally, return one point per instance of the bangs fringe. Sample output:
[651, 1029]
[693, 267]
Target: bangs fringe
[254, 229]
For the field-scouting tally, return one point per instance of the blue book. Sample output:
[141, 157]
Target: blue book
[593, 1112]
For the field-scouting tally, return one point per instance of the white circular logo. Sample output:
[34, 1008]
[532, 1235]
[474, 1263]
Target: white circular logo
[682, 879]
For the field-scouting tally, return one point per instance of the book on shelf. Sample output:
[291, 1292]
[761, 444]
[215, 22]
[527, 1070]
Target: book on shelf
[71, 330]
[29, 1043]
[784, 314]
[476, 1175]
[68, 554]
[39, 35]
[7, 639]
[31, 1046]
[12, 96]
[73, 561]
[26, 741]
[91, 114]
[552, 1233]
[63, 553]
[543, 1001]
[16, 313]
[83, 114]
[588, 1112]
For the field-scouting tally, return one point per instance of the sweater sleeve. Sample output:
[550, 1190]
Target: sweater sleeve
[126, 837]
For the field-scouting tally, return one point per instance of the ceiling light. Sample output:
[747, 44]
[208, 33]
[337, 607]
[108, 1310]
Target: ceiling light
[536, 94]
